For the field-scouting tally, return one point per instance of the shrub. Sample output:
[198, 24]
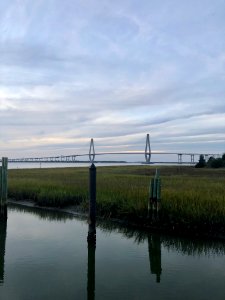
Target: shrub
[201, 163]
[217, 163]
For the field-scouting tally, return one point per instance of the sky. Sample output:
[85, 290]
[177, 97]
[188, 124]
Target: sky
[114, 71]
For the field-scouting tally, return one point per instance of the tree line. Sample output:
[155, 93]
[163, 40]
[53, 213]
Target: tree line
[211, 162]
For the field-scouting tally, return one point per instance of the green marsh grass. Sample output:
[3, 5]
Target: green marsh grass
[189, 195]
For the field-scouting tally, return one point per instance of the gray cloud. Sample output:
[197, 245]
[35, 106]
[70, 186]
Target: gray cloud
[114, 71]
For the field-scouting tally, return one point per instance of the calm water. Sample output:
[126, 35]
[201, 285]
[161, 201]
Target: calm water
[44, 255]
[63, 165]
[84, 165]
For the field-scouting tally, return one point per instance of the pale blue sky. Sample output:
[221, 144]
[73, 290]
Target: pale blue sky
[113, 71]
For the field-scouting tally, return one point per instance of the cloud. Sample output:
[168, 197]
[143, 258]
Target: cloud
[113, 71]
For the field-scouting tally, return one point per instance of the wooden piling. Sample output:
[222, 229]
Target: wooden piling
[3, 188]
[92, 204]
[0, 184]
[4, 180]
[154, 196]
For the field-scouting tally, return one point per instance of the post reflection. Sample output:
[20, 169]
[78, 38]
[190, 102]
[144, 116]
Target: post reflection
[154, 250]
[3, 211]
[91, 272]
[91, 240]
[3, 227]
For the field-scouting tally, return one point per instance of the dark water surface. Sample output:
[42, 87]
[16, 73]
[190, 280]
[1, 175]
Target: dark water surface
[44, 255]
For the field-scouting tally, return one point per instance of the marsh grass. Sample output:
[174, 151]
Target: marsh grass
[48, 187]
[189, 195]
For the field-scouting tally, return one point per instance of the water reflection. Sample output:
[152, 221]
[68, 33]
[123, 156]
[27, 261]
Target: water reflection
[91, 271]
[3, 211]
[54, 254]
[155, 242]
[154, 250]
[3, 228]
[185, 245]
[44, 214]
[91, 240]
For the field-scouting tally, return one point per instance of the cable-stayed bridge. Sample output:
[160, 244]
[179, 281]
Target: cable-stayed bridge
[74, 157]
[147, 154]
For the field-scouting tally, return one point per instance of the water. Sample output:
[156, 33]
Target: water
[44, 255]
[64, 165]
[85, 165]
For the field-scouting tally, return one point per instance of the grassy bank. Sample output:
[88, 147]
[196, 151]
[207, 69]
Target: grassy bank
[190, 197]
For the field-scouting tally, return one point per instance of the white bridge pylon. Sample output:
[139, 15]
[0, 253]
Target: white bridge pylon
[148, 149]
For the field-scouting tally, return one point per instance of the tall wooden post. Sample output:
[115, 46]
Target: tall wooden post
[154, 196]
[4, 187]
[91, 225]
[92, 204]
[0, 185]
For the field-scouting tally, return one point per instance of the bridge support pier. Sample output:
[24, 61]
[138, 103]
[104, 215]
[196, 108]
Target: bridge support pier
[192, 158]
[179, 158]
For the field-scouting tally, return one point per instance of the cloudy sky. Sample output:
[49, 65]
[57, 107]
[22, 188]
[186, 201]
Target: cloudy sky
[114, 71]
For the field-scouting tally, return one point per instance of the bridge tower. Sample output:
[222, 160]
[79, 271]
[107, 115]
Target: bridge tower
[180, 158]
[147, 150]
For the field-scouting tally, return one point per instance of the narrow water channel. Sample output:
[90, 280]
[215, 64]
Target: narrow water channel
[44, 255]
